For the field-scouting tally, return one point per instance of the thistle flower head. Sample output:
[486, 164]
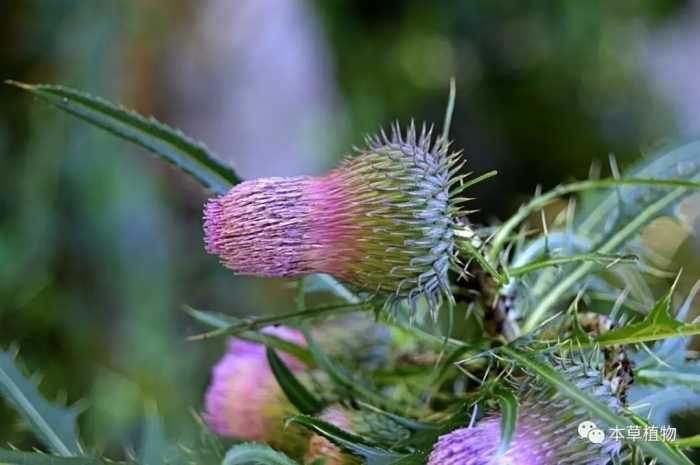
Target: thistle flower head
[546, 431]
[244, 400]
[384, 221]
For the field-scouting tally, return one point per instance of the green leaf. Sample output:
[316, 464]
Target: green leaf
[166, 142]
[509, 417]
[371, 452]
[155, 448]
[646, 331]
[675, 375]
[297, 394]
[678, 165]
[338, 375]
[300, 298]
[256, 454]
[504, 232]
[328, 282]
[14, 457]
[53, 424]
[609, 220]
[663, 451]
[692, 441]
[247, 324]
[423, 441]
[204, 446]
[598, 258]
[609, 245]
[220, 321]
[659, 324]
[475, 253]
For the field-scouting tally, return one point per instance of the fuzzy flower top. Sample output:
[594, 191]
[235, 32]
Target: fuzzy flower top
[479, 445]
[384, 221]
[244, 400]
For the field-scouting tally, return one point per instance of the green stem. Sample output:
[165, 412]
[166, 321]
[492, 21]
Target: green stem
[251, 324]
[692, 441]
[475, 253]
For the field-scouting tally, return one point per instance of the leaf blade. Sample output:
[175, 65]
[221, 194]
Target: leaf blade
[373, 454]
[154, 448]
[504, 232]
[692, 441]
[610, 245]
[509, 417]
[347, 382]
[659, 324]
[14, 457]
[53, 424]
[297, 394]
[251, 453]
[170, 144]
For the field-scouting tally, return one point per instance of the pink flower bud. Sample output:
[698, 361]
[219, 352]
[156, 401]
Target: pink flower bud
[384, 221]
[244, 399]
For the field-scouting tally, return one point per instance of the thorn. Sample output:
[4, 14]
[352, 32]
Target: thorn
[21, 85]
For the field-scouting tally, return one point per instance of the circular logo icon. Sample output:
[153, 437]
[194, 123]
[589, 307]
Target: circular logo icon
[596, 436]
[584, 428]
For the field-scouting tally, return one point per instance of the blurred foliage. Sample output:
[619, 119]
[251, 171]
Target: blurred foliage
[544, 87]
[90, 236]
[100, 247]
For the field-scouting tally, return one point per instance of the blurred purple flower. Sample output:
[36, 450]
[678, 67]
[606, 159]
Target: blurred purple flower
[541, 438]
[244, 400]
[478, 445]
[548, 425]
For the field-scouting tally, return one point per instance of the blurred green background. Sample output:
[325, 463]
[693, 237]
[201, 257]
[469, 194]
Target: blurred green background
[101, 246]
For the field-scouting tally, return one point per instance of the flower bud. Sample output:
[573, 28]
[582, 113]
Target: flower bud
[244, 399]
[384, 221]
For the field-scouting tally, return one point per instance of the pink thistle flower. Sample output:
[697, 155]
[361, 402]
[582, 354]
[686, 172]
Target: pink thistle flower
[546, 432]
[244, 399]
[541, 438]
[479, 445]
[384, 221]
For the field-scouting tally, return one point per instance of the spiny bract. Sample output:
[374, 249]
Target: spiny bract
[384, 221]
